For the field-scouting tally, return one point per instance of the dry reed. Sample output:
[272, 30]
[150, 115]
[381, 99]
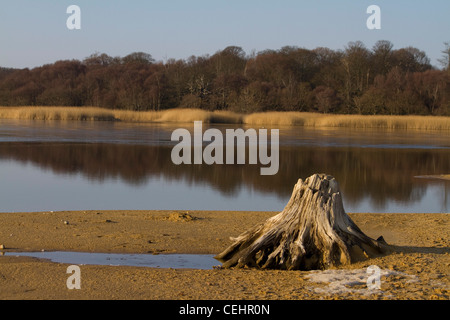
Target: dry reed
[256, 119]
[56, 113]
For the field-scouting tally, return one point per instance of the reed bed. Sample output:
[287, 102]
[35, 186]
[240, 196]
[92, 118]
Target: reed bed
[387, 122]
[268, 119]
[178, 116]
[348, 121]
[57, 113]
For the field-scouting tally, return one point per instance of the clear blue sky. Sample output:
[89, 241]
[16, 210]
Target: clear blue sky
[34, 32]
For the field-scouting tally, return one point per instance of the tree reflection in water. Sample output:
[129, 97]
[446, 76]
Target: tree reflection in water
[378, 175]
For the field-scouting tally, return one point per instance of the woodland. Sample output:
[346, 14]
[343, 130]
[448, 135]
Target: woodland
[356, 80]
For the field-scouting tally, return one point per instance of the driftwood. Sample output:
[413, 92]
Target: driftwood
[312, 232]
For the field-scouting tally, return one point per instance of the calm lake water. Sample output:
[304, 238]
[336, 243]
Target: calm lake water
[57, 165]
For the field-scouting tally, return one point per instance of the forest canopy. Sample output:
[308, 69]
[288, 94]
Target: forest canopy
[355, 80]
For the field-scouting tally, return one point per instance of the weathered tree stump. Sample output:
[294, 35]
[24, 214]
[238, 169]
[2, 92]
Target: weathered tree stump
[312, 232]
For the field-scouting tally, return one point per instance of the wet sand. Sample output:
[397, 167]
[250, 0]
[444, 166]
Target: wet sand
[418, 268]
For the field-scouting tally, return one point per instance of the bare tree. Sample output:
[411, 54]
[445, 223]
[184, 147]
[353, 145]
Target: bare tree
[445, 60]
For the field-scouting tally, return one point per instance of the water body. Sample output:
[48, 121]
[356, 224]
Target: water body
[61, 165]
[175, 261]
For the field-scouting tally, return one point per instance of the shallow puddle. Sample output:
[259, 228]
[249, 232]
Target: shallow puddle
[175, 261]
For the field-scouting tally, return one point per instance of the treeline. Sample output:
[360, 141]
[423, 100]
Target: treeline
[356, 80]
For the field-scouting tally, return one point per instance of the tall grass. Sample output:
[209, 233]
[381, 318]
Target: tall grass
[99, 114]
[388, 122]
[56, 113]
[349, 121]
[178, 116]
[256, 119]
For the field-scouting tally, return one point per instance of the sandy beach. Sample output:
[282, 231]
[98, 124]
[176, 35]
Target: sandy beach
[418, 268]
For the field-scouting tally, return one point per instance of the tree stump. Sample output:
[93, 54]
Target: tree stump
[312, 232]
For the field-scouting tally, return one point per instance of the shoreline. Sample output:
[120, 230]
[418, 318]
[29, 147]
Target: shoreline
[419, 268]
[165, 231]
[269, 118]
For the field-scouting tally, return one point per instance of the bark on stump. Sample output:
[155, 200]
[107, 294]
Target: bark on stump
[312, 232]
